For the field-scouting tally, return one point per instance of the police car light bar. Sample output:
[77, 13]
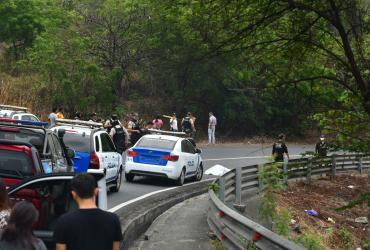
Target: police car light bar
[23, 122]
[79, 123]
[10, 107]
[156, 131]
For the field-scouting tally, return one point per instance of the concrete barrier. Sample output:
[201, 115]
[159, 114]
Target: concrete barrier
[138, 216]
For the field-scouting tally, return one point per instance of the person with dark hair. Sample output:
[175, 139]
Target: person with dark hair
[77, 115]
[187, 125]
[279, 149]
[212, 129]
[173, 123]
[18, 235]
[4, 206]
[93, 117]
[322, 147]
[52, 119]
[89, 227]
[158, 122]
[119, 135]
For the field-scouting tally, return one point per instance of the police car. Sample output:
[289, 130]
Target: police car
[17, 113]
[165, 156]
[94, 149]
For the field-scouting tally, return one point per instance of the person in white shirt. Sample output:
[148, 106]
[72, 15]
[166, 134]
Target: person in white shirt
[212, 128]
[173, 123]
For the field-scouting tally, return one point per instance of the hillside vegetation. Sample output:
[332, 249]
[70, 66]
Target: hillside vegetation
[263, 67]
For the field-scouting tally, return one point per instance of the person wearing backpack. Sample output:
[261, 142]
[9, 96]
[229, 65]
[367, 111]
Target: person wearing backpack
[187, 125]
[119, 136]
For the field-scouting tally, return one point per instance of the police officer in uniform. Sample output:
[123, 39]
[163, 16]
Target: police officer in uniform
[321, 148]
[279, 149]
[119, 135]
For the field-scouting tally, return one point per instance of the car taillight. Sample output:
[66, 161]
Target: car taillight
[94, 161]
[132, 153]
[170, 157]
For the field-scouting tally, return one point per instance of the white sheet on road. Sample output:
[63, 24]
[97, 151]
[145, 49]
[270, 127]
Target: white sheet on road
[217, 170]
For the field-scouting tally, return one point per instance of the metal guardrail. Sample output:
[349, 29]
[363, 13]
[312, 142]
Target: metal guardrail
[238, 232]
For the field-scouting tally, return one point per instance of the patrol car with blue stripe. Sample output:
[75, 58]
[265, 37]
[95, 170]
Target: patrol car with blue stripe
[164, 156]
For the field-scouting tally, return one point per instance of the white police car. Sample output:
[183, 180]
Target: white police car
[164, 156]
[94, 149]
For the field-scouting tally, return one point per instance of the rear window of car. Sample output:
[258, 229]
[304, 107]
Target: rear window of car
[77, 142]
[23, 135]
[15, 163]
[156, 143]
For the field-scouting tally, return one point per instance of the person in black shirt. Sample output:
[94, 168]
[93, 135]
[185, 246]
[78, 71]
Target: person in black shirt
[321, 148]
[279, 149]
[88, 228]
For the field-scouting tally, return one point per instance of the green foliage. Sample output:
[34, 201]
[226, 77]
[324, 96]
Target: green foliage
[214, 186]
[310, 241]
[364, 198]
[366, 244]
[247, 244]
[346, 237]
[281, 222]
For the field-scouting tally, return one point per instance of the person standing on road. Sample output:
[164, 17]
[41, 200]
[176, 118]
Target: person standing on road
[187, 125]
[212, 128]
[52, 119]
[60, 113]
[89, 227]
[134, 129]
[173, 123]
[18, 234]
[279, 149]
[321, 148]
[119, 135]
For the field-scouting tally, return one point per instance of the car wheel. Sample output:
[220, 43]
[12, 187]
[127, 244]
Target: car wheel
[117, 185]
[129, 177]
[180, 181]
[199, 174]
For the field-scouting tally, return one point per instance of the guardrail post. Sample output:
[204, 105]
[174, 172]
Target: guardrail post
[238, 190]
[309, 170]
[360, 165]
[260, 182]
[221, 192]
[333, 165]
[285, 171]
[238, 185]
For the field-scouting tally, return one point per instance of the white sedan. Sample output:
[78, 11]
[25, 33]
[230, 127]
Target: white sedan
[164, 156]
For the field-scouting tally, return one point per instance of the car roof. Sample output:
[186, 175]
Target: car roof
[23, 113]
[163, 137]
[78, 129]
[27, 127]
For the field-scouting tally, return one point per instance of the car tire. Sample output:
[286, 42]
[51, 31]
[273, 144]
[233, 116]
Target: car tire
[129, 177]
[199, 175]
[180, 181]
[118, 182]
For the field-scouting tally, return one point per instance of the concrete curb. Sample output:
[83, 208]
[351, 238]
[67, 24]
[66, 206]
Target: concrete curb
[137, 217]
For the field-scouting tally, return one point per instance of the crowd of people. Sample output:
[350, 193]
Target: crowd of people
[133, 128]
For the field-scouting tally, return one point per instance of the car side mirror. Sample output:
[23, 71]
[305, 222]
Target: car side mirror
[198, 151]
[70, 153]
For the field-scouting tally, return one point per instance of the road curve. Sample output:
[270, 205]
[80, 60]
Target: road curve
[228, 155]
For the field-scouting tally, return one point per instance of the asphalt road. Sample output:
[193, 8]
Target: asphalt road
[228, 155]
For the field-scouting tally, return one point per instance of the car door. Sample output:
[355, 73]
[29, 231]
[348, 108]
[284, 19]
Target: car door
[185, 156]
[51, 196]
[61, 163]
[193, 157]
[109, 156]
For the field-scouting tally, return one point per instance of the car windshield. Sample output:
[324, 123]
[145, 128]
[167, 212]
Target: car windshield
[77, 142]
[15, 163]
[156, 143]
[23, 135]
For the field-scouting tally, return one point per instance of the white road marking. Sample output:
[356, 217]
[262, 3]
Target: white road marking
[244, 157]
[119, 206]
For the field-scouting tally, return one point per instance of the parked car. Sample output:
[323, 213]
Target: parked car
[94, 149]
[18, 160]
[55, 157]
[17, 113]
[51, 195]
[165, 156]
